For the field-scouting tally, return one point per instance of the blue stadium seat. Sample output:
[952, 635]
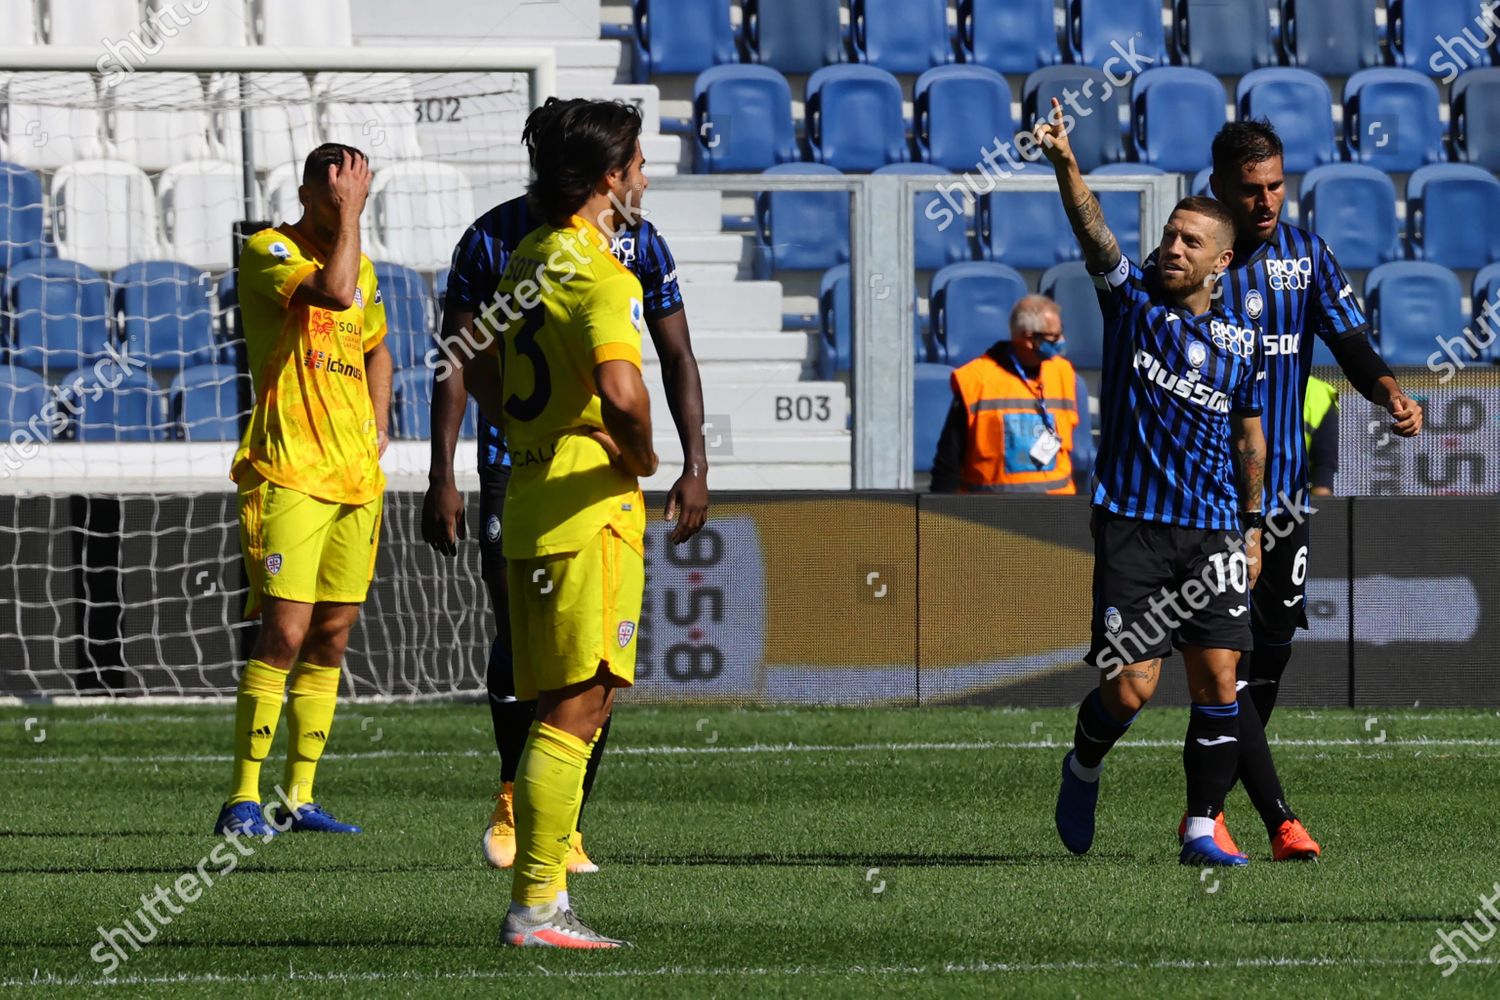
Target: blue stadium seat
[836, 323]
[1300, 106]
[1097, 138]
[1122, 209]
[23, 393]
[1353, 207]
[1486, 288]
[961, 111]
[408, 314]
[1441, 38]
[20, 216]
[794, 36]
[1391, 120]
[1072, 287]
[742, 120]
[164, 314]
[1227, 39]
[1008, 36]
[131, 411]
[971, 306]
[854, 118]
[411, 404]
[1474, 118]
[1025, 229]
[1104, 31]
[800, 230]
[56, 314]
[900, 36]
[932, 400]
[681, 36]
[1453, 216]
[1410, 305]
[1177, 113]
[205, 403]
[936, 245]
[1202, 184]
[1330, 37]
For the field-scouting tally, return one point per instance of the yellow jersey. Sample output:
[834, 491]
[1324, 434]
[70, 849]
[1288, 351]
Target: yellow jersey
[313, 425]
[569, 305]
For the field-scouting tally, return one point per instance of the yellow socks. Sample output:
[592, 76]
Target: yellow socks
[548, 792]
[256, 709]
[309, 713]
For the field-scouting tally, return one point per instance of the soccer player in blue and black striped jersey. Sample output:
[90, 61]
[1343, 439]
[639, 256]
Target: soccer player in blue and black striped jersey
[1177, 499]
[479, 260]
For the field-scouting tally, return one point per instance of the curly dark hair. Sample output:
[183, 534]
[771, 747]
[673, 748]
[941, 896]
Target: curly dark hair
[572, 145]
[330, 154]
[1248, 142]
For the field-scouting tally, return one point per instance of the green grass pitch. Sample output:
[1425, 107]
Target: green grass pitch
[755, 853]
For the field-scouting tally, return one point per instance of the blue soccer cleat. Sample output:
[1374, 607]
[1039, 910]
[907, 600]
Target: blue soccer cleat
[1076, 801]
[243, 819]
[1203, 852]
[310, 818]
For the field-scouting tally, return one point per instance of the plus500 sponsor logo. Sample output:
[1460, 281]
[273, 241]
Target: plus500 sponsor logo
[1274, 344]
[1194, 392]
[1290, 275]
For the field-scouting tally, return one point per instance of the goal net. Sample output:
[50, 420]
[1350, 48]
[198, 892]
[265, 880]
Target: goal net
[123, 386]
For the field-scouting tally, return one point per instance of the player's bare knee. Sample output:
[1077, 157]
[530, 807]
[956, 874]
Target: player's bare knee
[279, 642]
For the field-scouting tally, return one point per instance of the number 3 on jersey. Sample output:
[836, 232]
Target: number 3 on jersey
[527, 347]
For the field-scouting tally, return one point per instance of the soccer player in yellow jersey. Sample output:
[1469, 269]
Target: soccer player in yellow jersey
[569, 397]
[310, 485]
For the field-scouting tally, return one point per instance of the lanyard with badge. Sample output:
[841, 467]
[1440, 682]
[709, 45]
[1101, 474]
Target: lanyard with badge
[1048, 442]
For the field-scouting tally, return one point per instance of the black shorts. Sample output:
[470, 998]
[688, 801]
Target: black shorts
[1278, 605]
[1158, 586]
[493, 479]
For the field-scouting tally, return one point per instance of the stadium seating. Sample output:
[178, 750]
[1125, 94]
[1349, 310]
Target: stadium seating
[1008, 36]
[1096, 137]
[409, 314]
[104, 213]
[1417, 29]
[283, 115]
[1391, 119]
[933, 398]
[216, 25]
[800, 230]
[1453, 216]
[56, 314]
[1177, 112]
[158, 119]
[680, 36]
[794, 36]
[411, 404]
[164, 314]
[1300, 106]
[23, 393]
[82, 23]
[836, 324]
[205, 403]
[1072, 287]
[17, 23]
[854, 118]
[373, 112]
[961, 111]
[1486, 288]
[1226, 39]
[20, 215]
[1202, 184]
[742, 118]
[1410, 305]
[1353, 207]
[1474, 119]
[51, 119]
[132, 410]
[291, 24]
[417, 211]
[1105, 31]
[1122, 209]
[1026, 229]
[936, 245]
[200, 202]
[900, 36]
[971, 306]
[1331, 37]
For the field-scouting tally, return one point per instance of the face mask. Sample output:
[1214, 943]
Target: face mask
[1047, 349]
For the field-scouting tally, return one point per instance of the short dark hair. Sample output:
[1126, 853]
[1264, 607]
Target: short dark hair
[330, 154]
[1245, 143]
[1215, 211]
[572, 144]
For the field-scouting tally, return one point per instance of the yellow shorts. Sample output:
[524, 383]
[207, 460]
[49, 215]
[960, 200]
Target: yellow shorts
[572, 613]
[300, 548]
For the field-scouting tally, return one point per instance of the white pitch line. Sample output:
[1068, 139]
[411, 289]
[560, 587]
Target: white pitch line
[949, 968]
[768, 748]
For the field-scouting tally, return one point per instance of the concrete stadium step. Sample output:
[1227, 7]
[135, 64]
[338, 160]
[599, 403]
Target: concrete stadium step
[389, 22]
[685, 212]
[739, 305]
[749, 372]
[713, 346]
[596, 63]
[644, 96]
[770, 476]
[728, 446]
[663, 155]
[787, 407]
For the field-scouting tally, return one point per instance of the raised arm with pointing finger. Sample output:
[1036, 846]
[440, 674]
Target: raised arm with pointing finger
[1101, 251]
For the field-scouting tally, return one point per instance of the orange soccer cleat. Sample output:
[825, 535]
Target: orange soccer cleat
[1292, 842]
[1222, 836]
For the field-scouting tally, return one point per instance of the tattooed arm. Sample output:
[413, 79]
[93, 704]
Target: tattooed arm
[1101, 251]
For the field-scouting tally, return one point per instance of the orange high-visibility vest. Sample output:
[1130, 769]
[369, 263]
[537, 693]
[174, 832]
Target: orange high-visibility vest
[1005, 421]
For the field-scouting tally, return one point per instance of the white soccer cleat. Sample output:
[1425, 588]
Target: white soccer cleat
[558, 928]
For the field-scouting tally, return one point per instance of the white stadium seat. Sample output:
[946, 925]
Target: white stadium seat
[283, 118]
[297, 24]
[418, 211]
[373, 112]
[157, 119]
[87, 23]
[18, 22]
[51, 119]
[200, 203]
[220, 24]
[104, 214]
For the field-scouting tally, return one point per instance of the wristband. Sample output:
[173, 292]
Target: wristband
[1250, 520]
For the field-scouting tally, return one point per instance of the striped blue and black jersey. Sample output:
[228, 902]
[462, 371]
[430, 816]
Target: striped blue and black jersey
[480, 257]
[1171, 383]
[1294, 289]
